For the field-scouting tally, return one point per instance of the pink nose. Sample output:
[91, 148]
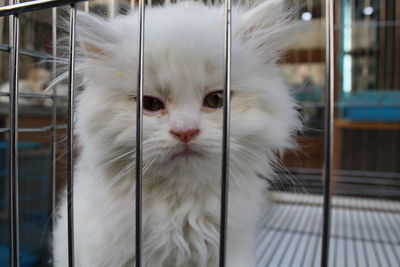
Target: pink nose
[185, 136]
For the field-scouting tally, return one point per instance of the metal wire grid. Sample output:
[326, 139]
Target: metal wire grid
[364, 232]
[14, 9]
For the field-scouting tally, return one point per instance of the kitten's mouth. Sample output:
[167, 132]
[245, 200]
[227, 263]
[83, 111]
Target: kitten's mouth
[185, 151]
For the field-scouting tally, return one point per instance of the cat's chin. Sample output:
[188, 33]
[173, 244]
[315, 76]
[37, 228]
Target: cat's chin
[185, 152]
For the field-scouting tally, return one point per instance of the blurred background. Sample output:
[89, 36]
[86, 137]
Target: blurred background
[366, 180]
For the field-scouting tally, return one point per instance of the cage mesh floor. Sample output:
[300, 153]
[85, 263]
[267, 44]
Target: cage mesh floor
[364, 232]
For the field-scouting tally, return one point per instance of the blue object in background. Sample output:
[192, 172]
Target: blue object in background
[369, 105]
[34, 176]
[27, 259]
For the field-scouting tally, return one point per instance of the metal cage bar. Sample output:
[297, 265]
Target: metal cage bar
[86, 7]
[329, 112]
[27, 52]
[139, 134]
[13, 149]
[34, 130]
[226, 132]
[34, 5]
[71, 101]
[54, 121]
[34, 95]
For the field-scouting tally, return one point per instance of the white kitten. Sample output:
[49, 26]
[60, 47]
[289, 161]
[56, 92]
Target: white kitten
[182, 135]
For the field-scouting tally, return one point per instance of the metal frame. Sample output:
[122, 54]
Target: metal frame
[329, 112]
[13, 149]
[54, 120]
[15, 9]
[226, 132]
[27, 52]
[139, 134]
[70, 134]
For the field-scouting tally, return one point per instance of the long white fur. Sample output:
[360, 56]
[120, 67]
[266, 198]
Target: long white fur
[184, 60]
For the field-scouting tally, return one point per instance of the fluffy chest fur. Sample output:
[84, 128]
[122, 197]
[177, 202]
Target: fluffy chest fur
[180, 227]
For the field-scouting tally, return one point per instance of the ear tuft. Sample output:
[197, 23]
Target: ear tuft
[268, 27]
[95, 35]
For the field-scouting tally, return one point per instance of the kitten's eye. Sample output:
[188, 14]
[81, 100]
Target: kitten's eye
[152, 103]
[214, 99]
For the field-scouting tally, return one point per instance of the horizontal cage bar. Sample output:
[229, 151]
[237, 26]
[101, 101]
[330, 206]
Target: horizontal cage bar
[37, 129]
[33, 6]
[27, 52]
[40, 96]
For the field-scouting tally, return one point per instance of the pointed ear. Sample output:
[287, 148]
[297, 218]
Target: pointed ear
[268, 27]
[95, 35]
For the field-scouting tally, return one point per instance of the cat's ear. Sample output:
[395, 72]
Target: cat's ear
[268, 27]
[95, 35]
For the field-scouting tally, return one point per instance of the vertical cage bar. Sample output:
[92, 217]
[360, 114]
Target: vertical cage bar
[71, 100]
[111, 9]
[329, 112]
[13, 150]
[86, 6]
[226, 133]
[54, 119]
[139, 134]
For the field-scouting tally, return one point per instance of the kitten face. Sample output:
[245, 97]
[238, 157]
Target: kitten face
[183, 83]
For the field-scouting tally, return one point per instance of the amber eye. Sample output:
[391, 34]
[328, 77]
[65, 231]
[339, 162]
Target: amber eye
[152, 103]
[214, 100]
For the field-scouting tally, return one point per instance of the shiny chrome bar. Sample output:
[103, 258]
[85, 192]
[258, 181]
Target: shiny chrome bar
[13, 149]
[27, 52]
[226, 133]
[34, 5]
[139, 134]
[39, 96]
[86, 6]
[35, 130]
[329, 116]
[54, 120]
[111, 9]
[70, 171]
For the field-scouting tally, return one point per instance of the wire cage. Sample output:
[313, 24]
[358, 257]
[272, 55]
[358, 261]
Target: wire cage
[333, 205]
